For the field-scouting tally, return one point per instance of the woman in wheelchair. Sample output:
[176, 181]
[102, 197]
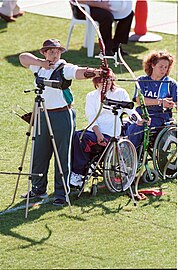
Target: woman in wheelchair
[102, 129]
[160, 96]
[159, 91]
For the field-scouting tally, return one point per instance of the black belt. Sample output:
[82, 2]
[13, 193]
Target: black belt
[59, 109]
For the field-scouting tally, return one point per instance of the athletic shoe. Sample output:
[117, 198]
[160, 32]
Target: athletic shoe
[76, 179]
[59, 202]
[33, 195]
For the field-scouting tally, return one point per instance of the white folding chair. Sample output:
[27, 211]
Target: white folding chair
[89, 39]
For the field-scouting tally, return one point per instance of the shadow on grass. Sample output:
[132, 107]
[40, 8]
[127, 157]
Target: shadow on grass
[14, 218]
[17, 218]
[14, 59]
[3, 26]
[86, 202]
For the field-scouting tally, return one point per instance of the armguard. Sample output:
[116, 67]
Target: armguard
[89, 74]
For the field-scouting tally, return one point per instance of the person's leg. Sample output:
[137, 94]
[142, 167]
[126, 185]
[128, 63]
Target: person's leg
[8, 7]
[81, 151]
[135, 134]
[105, 20]
[41, 158]
[63, 127]
[122, 31]
[17, 12]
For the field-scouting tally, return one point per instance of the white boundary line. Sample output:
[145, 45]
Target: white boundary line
[21, 207]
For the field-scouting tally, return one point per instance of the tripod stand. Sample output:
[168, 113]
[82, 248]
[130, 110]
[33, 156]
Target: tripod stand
[35, 121]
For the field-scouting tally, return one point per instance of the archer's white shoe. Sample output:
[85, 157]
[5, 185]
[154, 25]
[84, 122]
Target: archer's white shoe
[76, 179]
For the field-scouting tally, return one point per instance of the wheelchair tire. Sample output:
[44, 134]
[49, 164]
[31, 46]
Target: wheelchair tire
[146, 177]
[120, 165]
[165, 153]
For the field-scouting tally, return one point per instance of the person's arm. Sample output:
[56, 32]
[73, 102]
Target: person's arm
[86, 73]
[164, 102]
[27, 59]
[135, 117]
[132, 113]
[99, 135]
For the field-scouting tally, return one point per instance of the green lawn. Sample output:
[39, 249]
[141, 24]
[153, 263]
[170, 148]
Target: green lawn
[103, 232]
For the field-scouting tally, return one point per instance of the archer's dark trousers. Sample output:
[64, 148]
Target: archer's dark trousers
[63, 125]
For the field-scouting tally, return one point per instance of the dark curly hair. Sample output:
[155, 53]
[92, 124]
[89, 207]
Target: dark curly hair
[153, 58]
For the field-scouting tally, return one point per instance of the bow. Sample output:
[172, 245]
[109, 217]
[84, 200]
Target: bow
[145, 116]
[104, 65]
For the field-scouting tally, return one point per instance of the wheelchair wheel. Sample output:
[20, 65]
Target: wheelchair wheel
[120, 165]
[146, 177]
[165, 153]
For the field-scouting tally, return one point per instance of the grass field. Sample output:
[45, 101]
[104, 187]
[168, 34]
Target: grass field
[103, 232]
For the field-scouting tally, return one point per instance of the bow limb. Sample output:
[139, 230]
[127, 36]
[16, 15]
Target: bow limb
[100, 39]
[145, 114]
[104, 64]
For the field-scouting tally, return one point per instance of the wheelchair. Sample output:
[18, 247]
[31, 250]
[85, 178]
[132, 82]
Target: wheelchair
[161, 150]
[116, 163]
[119, 164]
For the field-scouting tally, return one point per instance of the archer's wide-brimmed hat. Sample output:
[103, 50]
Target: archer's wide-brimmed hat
[51, 44]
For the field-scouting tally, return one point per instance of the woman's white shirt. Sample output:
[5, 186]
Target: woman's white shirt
[54, 97]
[105, 121]
[120, 9]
